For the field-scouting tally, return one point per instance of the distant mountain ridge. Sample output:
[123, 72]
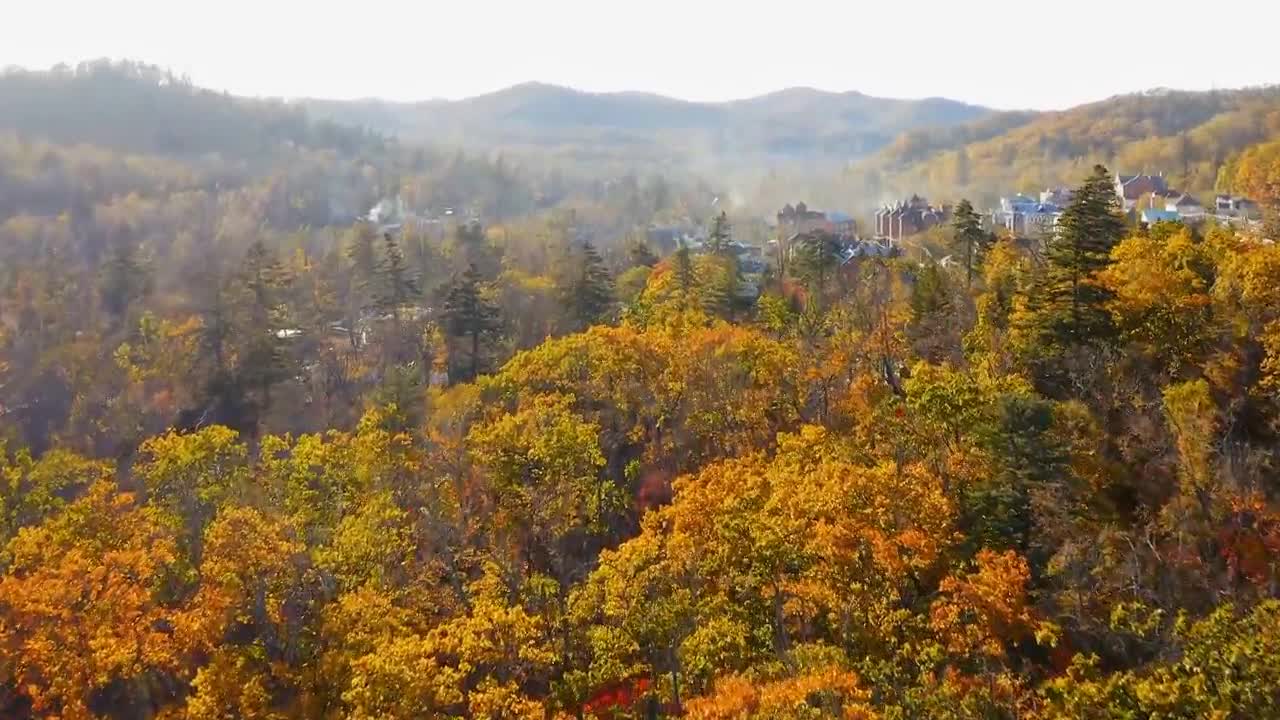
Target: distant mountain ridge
[795, 124]
[846, 150]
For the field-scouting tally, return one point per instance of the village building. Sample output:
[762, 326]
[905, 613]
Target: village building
[800, 219]
[1029, 217]
[909, 217]
[1131, 188]
[1234, 206]
[1187, 207]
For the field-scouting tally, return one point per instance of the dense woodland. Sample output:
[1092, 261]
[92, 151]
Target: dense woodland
[263, 459]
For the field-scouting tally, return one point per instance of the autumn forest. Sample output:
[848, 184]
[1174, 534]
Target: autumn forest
[266, 456]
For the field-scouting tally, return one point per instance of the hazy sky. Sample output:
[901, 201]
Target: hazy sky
[1004, 53]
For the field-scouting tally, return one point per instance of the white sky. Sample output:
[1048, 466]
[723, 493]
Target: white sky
[1003, 53]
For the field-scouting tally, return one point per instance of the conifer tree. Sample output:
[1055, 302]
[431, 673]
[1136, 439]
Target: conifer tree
[587, 292]
[125, 278]
[362, 251]
[471, 316]
[721, 292]
[265, 356]
[817, 257]
[1069, 302]
[970, 240]
[396, 283]
[717, 284]
[930, 295]
[686, 278]
[721, 234]
[933, 320]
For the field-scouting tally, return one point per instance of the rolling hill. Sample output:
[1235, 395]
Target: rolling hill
[139, 108]
[1186, 135]
[797, 125]
[841, 150]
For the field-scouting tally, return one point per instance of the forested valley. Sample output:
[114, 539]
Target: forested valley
[266, 455]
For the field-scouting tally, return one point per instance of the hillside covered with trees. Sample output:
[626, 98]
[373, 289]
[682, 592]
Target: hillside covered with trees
[1189, 136]
[263, 456]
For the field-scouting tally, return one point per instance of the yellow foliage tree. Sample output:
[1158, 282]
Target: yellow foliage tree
[79, 604]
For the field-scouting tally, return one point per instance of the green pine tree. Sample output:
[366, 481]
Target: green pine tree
[396, 285]
[362, 251]
[721, 235]
[1069, 303]
[817, 257]
[686, 278]
[125, 279]
[469, 315]
[722, 290]
[717, 284]
[1026, 458]
[970, 240]
[587, 291]
[933, 320]
[265, 359]
[931, 294]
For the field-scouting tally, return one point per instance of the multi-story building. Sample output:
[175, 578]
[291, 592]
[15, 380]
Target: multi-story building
[800, 219]
[909, 217]
[1131, 188]
[1025, 216]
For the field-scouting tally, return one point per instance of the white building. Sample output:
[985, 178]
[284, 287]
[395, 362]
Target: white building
[1188, 208]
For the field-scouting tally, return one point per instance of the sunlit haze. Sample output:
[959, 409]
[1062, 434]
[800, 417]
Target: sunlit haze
[1000, 53]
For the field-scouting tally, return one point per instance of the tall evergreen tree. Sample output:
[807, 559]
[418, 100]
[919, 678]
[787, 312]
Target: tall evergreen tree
[970, 240]
[396, 283]
[933, 319]
[721, 234]
[1069, 302]
[587, 291]
[930, 295]
[1026, 458]
[125, 278]
[685, 276]
[215, 319]
[722, 291]
[469, 315]
[717, 284]
[224, 398]
[362, 251]
[265, 358]
[817, 256]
